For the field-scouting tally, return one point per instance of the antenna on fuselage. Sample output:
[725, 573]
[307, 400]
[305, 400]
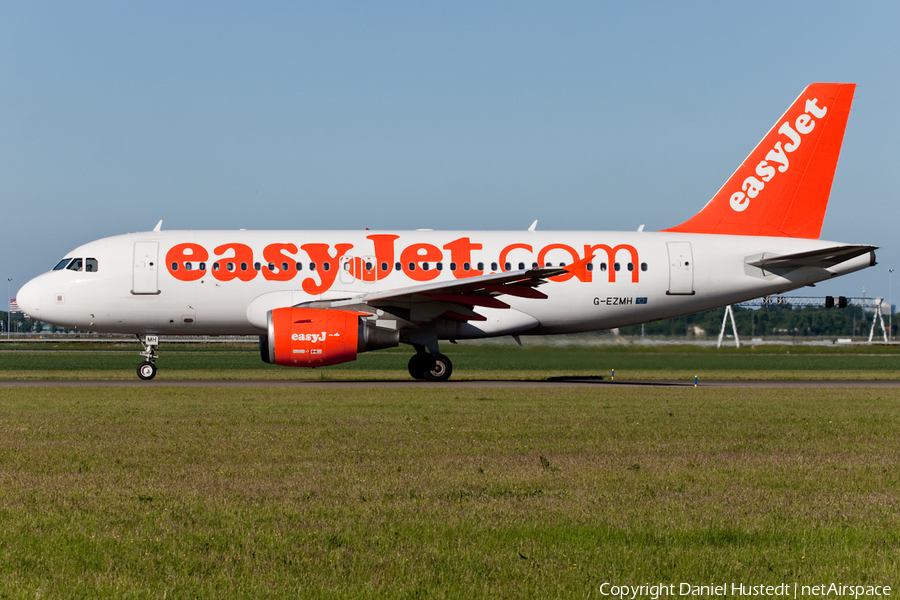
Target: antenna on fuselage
[158, 226]
[533, 226]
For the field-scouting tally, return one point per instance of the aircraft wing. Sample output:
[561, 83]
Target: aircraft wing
[824, 258]
[451, 299]
[456, 299]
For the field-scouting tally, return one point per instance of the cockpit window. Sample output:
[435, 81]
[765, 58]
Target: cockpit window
[61, 264]
[75, 265]
[90, 265]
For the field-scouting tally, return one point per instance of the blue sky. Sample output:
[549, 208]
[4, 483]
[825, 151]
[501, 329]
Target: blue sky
[392, 115]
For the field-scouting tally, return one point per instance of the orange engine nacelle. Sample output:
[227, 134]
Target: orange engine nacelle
[315, 337]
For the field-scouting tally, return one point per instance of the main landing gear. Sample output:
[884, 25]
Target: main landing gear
[430, 366]
[147, 369]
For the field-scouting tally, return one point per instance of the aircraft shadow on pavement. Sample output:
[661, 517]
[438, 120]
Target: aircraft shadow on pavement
[599, 379]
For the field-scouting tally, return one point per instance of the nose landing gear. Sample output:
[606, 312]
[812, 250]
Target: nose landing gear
[147, 369]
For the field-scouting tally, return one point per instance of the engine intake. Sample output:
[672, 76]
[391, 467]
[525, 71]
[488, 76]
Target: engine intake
[315, 337]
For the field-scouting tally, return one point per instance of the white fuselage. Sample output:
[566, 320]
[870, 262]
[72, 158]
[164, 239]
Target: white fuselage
[134, 289]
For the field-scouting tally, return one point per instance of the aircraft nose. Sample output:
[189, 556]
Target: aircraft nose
[29, 299]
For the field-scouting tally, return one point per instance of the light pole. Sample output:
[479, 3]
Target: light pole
[890, 303]
[8, 304]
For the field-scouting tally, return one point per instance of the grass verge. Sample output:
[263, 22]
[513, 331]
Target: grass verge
[443, 493]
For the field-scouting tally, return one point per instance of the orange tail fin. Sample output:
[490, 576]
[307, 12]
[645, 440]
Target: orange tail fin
[782, 188]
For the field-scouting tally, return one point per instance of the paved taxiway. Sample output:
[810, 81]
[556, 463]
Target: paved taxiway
[559, 382]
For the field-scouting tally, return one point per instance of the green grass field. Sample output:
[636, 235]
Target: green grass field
[459, 493]
[471, 361]
[490, 493]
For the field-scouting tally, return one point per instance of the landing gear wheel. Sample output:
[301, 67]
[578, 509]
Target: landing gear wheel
[441, 370]
[146, 370]
[419, 364]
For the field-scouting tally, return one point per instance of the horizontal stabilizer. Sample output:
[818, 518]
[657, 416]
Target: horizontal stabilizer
[824, 258]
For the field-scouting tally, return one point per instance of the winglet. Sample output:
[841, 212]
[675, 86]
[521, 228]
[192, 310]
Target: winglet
[782, 188]
[579, 269]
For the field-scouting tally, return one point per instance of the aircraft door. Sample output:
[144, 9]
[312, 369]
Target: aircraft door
[347, 270]
[368, 269]
[354, 268]
[146, 268]
[681, 269]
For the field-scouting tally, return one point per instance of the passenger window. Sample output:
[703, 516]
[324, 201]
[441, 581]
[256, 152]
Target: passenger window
[590, 266]
[243, 266]
[187, 266]
[424, 266]
[481, 266]
[643, 266]
[384, 266]
[75, 265]
[174, 266]
[369, 266]
[299, 266]
[312, 266]
[616, 266]
[257, 266]
[602, 266]
[493, 266]
[398, 267]
[465, 266]
[440, 266]
[284, 266]
[61, 264]
[230, 266]
[412, 266]
[326, 266]
[534, 265]
[506, 266]
[215, 266]
[90, 265]
[521, 266]
[347, 265]
[453, 266]
[630, 267]
[203, 266]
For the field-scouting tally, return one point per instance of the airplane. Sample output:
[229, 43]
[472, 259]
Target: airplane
[319, 298]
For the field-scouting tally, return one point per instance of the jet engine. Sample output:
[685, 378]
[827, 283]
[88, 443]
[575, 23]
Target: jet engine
[315, 337]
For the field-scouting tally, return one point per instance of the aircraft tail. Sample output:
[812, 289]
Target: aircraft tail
[782, 188]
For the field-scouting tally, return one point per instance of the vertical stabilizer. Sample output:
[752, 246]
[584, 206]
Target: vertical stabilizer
[782, 188]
